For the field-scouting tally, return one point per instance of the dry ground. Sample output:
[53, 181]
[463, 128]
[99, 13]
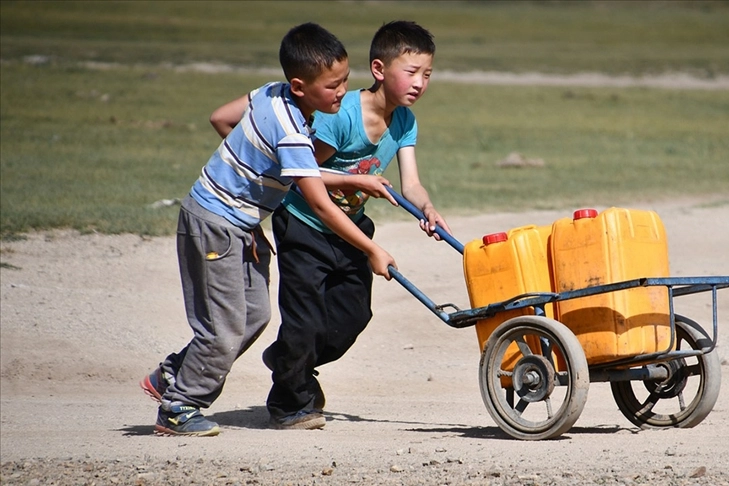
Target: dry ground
[85, 317]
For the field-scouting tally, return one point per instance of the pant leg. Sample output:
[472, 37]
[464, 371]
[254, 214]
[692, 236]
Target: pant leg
[226, 299]
[315, 273]
[348, 296]
[303, 262]
[258, 308]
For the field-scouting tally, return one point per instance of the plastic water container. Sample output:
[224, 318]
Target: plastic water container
[503, 265]
[592, 249]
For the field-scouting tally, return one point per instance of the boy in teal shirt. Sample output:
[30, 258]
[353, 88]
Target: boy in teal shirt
[326, 283]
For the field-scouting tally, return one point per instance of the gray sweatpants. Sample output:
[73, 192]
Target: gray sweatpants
[226, 299]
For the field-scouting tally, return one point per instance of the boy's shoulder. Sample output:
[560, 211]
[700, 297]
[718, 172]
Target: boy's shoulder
[350, 109]
[273, 102]
[269, 91]
[352, 101]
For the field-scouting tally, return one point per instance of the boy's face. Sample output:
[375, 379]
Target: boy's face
[406, 78]
[324, 93]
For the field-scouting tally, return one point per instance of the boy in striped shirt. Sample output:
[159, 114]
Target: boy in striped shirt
[224, 257]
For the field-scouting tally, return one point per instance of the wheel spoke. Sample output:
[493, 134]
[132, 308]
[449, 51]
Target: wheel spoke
[548, 403]
[681, 402]
[693, 370]
[523, 346]
[562, 378]
[648, 405]
[547, 349]
[521, 406]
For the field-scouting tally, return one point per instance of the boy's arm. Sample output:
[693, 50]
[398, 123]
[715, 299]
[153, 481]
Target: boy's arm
[372, 185]
[225, 118]
[314, 191]
[414, 191]
[322, 151]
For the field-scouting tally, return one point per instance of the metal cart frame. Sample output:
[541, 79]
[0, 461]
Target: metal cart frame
[552, 359]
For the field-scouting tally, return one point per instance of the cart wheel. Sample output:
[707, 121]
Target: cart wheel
[656, 405]
[544, 370]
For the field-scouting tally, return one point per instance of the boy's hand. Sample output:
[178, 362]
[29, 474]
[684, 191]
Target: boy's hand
[379, 261]
[433, 218]
[374, 185]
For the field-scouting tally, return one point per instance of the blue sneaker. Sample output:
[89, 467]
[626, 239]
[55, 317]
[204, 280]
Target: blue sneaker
[155, 384]
[301, 420]
[184, 420]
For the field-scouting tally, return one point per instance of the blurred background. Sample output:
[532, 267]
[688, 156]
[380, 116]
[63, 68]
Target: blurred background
[533, 105]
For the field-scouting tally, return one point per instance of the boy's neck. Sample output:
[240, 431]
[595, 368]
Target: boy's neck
[377, 101]
[305, 111]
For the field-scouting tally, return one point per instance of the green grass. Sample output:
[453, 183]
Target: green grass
[600, 146]
[92, 149]
[608, 36]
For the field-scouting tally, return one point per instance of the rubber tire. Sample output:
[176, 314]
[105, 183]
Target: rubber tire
[578, 378]
[706, 395]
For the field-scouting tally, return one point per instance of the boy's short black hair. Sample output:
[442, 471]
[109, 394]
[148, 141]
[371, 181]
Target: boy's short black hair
[400, 37]
[307, 49]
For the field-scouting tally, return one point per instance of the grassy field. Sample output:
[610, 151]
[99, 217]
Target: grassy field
[93, 149]
[563, 36]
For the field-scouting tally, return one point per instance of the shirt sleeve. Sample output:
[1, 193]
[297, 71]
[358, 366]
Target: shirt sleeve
[408, 136]
[255, 91]
[332, 129]
[295, 154]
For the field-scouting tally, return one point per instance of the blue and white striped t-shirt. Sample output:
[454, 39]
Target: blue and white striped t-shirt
[252, 170]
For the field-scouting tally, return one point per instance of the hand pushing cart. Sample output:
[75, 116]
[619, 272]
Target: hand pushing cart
[534, 372]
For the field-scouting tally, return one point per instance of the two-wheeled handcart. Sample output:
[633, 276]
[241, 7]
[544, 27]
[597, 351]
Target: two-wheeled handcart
[541, 350]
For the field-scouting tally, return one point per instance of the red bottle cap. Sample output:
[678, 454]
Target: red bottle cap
[494, 238]
[584, 213]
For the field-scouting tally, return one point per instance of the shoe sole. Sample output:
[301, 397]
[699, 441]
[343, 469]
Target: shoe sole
[311, 424]
[150, 390]
[164, 431]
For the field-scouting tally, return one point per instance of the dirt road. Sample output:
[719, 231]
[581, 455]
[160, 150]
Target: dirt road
[85, 317]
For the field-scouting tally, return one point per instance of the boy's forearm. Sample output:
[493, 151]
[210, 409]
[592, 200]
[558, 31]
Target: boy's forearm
[337, 181]
[225, 118]
[340, 223]
[318, 198]
[343, 180]
[417, 195]
[332, 216]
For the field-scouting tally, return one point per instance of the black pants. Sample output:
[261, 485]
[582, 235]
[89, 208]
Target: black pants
[325, 293]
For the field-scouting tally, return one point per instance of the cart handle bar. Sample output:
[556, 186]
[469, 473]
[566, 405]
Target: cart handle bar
[457, 245]
[418, 294]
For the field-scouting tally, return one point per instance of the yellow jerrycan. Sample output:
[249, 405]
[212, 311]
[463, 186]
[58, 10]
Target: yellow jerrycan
[618, 244]
[501, 266]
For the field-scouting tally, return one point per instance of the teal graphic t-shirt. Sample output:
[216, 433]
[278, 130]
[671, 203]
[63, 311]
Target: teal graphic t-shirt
[354, 154]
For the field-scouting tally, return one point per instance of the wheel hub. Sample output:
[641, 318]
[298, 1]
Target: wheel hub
[674, 384]
[533, 378]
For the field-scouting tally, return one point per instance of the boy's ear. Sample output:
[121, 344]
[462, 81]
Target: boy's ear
[297, 86]
[378, 69]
